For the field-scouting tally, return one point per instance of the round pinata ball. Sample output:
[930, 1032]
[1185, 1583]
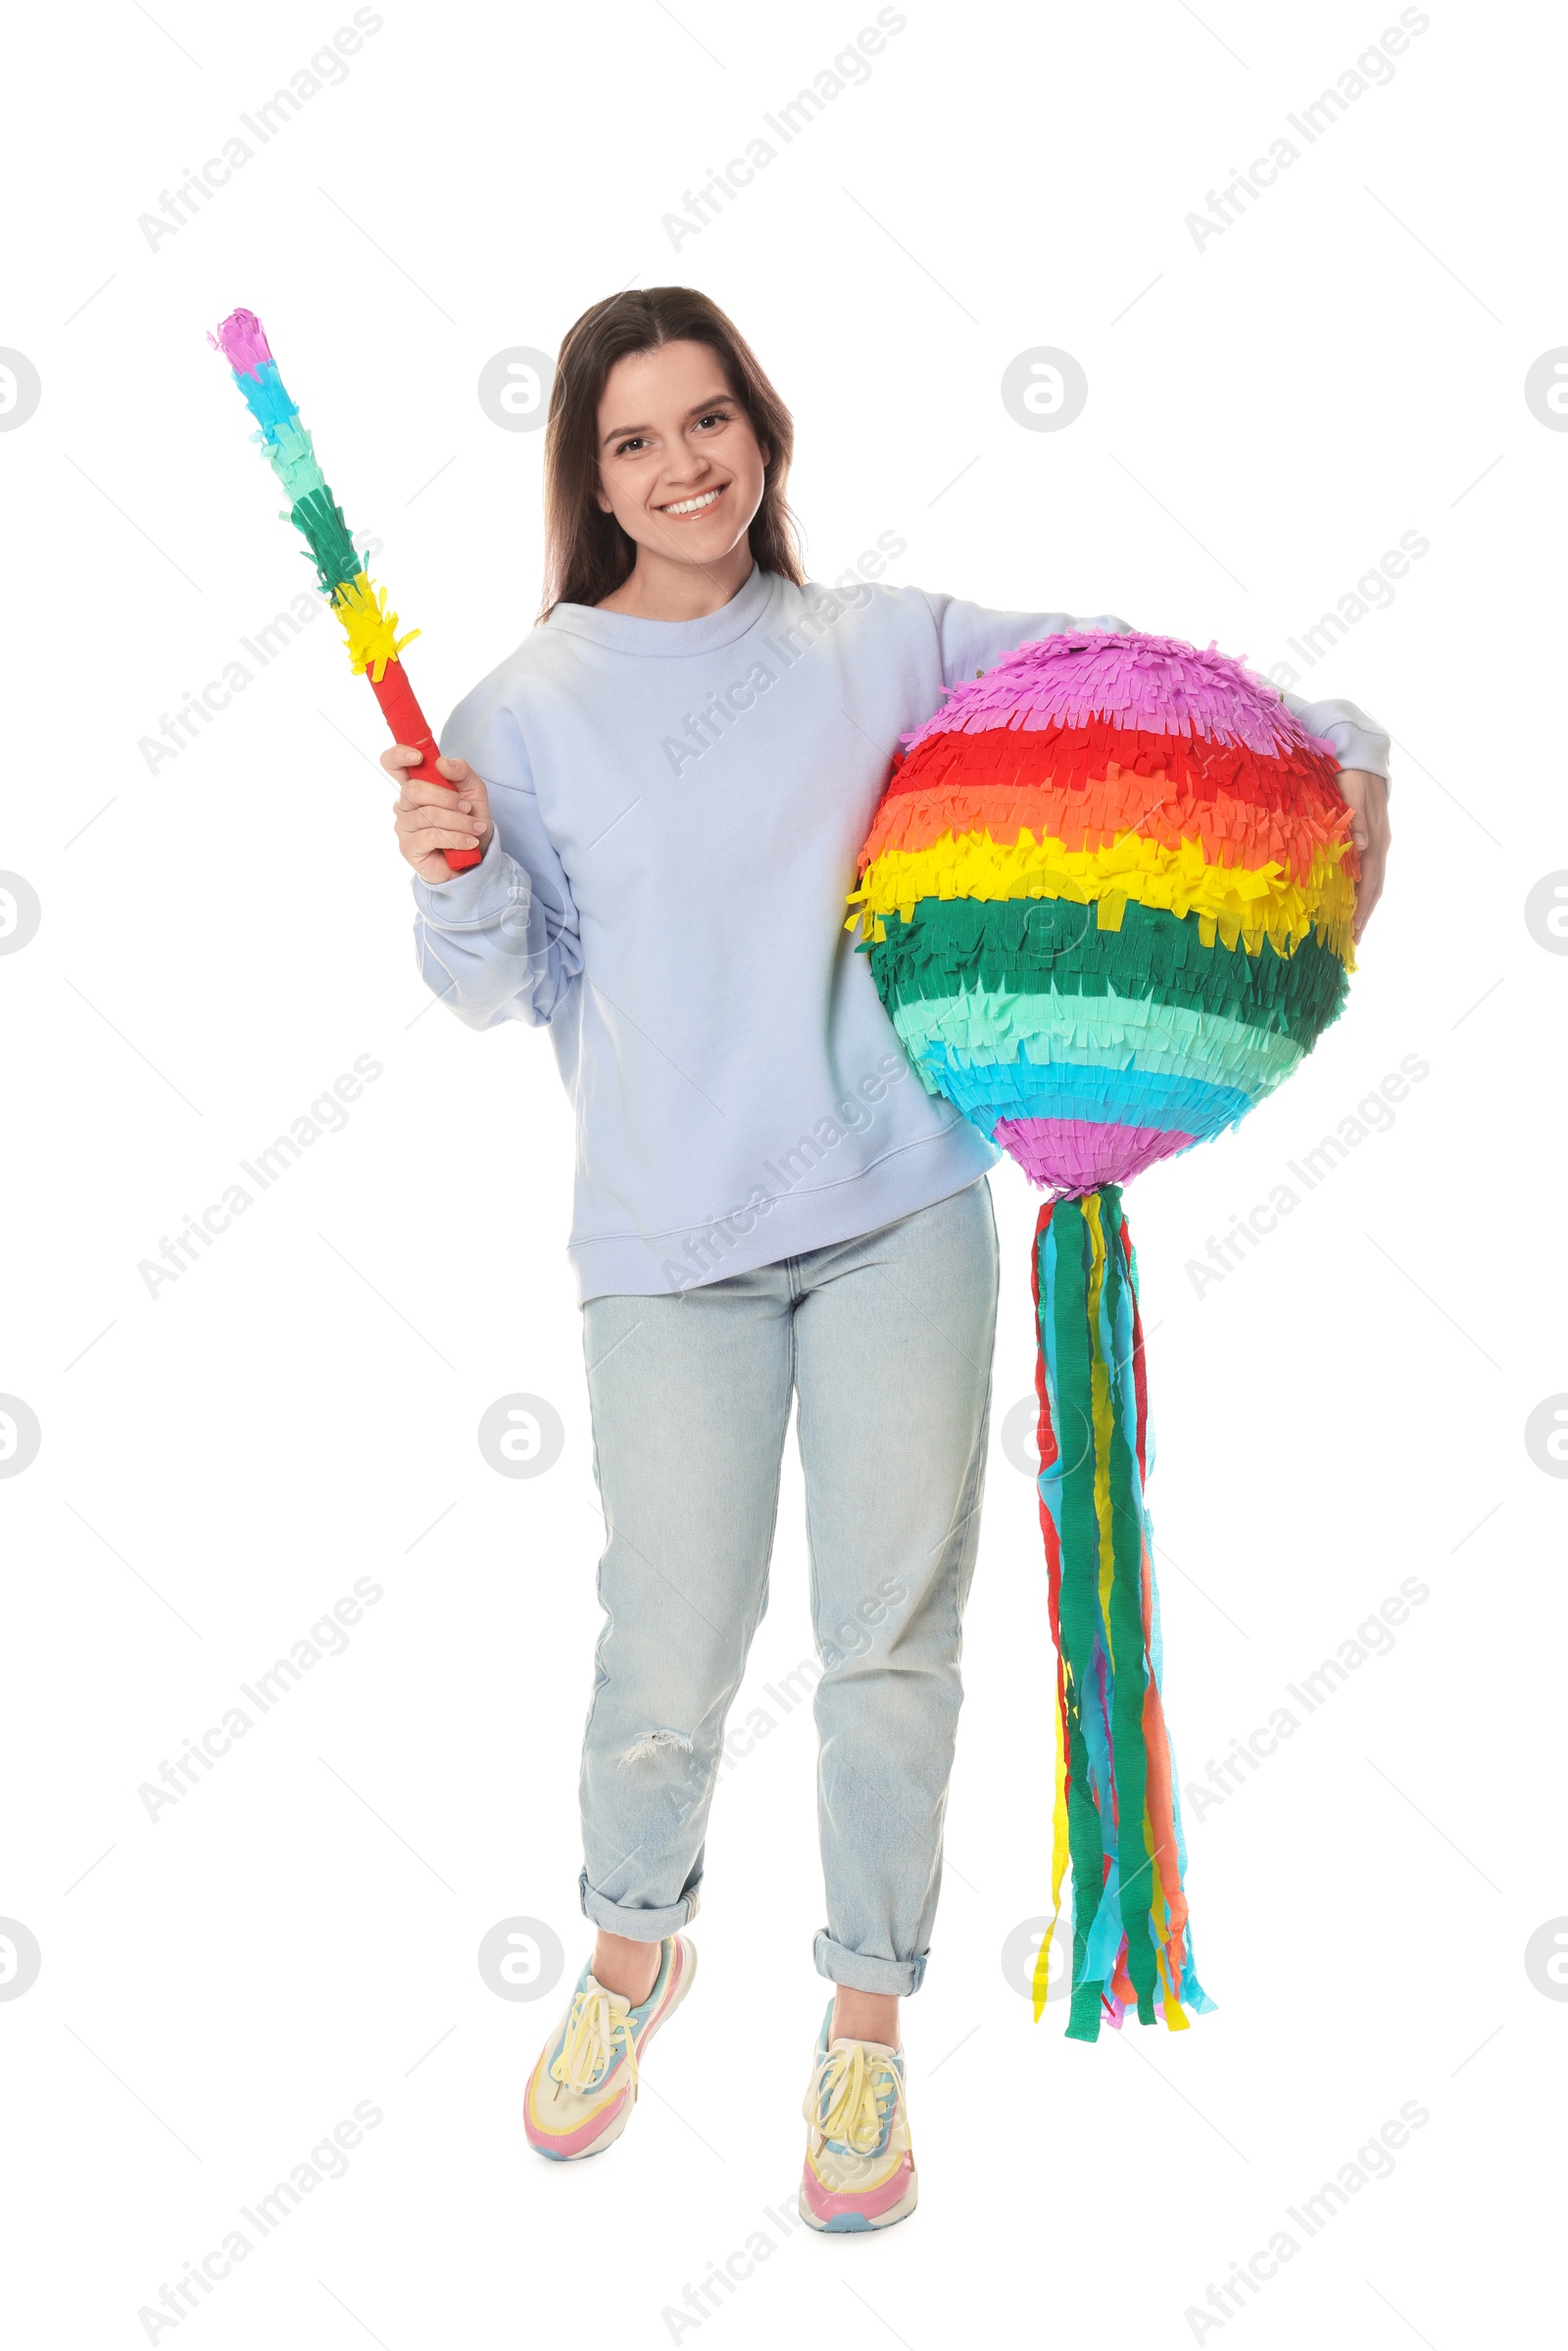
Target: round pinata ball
[1107, 899]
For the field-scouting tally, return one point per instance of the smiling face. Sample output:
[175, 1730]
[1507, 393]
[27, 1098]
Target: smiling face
[679, 466]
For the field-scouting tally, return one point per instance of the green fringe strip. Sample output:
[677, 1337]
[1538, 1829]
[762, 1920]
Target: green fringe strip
[1032, 945]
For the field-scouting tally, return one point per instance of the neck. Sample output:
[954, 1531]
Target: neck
[657, 589]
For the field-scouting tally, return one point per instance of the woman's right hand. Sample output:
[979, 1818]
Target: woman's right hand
[429, 820]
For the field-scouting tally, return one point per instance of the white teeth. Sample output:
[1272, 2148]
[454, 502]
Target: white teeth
[692, 506]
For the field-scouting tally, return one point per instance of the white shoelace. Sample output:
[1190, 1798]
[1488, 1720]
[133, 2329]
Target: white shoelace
[597, 2024]
[853, 2093]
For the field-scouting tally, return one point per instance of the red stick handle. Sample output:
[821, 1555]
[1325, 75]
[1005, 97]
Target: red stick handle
[409, 724]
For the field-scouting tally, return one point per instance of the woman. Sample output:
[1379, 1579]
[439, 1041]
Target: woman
[669, 780]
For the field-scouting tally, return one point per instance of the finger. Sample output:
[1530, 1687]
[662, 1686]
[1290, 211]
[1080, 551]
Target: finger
[1368, 892]
[401, 755]
[408, 823]
[440, 808]
[419, 793]
[455, 771]
[420, 844]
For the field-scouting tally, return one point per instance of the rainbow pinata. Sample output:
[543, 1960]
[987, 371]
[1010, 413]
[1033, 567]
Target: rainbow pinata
[1108, 900]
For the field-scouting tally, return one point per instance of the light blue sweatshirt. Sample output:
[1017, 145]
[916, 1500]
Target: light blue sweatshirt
[679, 807]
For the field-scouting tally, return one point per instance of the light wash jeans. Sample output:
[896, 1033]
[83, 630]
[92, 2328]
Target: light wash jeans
[887, 1342]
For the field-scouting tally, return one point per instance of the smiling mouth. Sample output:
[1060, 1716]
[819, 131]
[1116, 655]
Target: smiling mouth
[685, 507]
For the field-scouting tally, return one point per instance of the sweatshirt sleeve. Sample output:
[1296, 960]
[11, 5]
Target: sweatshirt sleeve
[975, 637]
[1359, 740]
[499, 941]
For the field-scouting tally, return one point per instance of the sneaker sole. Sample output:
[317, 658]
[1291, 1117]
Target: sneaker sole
[855, 2224]
[613, 2130]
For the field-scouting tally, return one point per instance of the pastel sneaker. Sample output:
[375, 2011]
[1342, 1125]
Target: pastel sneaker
[584, 2087]
[860, 2166]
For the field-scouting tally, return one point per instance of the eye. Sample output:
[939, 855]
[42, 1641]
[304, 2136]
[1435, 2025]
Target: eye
[718, 416]
[632, 441]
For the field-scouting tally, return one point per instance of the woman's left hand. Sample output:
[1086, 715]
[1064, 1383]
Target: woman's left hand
[1367, 798]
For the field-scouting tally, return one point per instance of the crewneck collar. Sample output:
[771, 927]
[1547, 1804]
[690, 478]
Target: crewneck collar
[626, 632]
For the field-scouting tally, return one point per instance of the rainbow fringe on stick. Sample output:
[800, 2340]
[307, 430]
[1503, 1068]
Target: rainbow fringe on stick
[372, 631]
[370, 628]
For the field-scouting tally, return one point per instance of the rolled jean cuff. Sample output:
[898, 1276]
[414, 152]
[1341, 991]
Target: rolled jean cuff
[862, 1974]
[638, 1926]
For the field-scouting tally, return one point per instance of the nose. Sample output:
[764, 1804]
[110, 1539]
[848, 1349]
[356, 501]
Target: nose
[682, 479]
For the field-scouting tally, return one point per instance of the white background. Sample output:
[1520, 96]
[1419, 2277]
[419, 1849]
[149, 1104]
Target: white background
[1266, 414]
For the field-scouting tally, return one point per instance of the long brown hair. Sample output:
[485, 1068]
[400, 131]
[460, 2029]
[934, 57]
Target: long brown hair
[587, 554]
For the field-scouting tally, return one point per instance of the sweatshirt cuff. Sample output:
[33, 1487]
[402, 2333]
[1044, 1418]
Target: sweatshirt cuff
[470, 899]
[1357, 749]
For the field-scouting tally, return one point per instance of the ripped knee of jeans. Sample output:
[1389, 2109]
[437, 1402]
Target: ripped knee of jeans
[655, 1743]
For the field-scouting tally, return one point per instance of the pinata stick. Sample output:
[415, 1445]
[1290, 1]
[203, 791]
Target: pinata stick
[374, 643]
[410, 725]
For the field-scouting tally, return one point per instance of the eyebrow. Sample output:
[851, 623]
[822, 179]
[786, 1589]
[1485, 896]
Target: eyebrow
[699, 408]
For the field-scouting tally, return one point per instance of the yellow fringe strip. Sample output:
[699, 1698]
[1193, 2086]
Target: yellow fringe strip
[370, 629]
[1177, 2019]
[1101, 1389]
[1240, 904]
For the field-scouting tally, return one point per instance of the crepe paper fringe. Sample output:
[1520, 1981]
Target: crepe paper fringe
[1070, 1157]
[1240, 904]
[1077, 756]
[369, 630]
[1157, 684]
[986, 1026]
[1025, 946]
[243, 342]
[1116, 1816]
[1136, 1098]
[1228, 832]
[1146, 1068]
[1242, 810]
[320, 523]
[291, 453]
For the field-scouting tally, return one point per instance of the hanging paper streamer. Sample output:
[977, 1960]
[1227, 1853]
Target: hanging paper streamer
[1122, 1820]
[1108, 900]
[374, 644]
